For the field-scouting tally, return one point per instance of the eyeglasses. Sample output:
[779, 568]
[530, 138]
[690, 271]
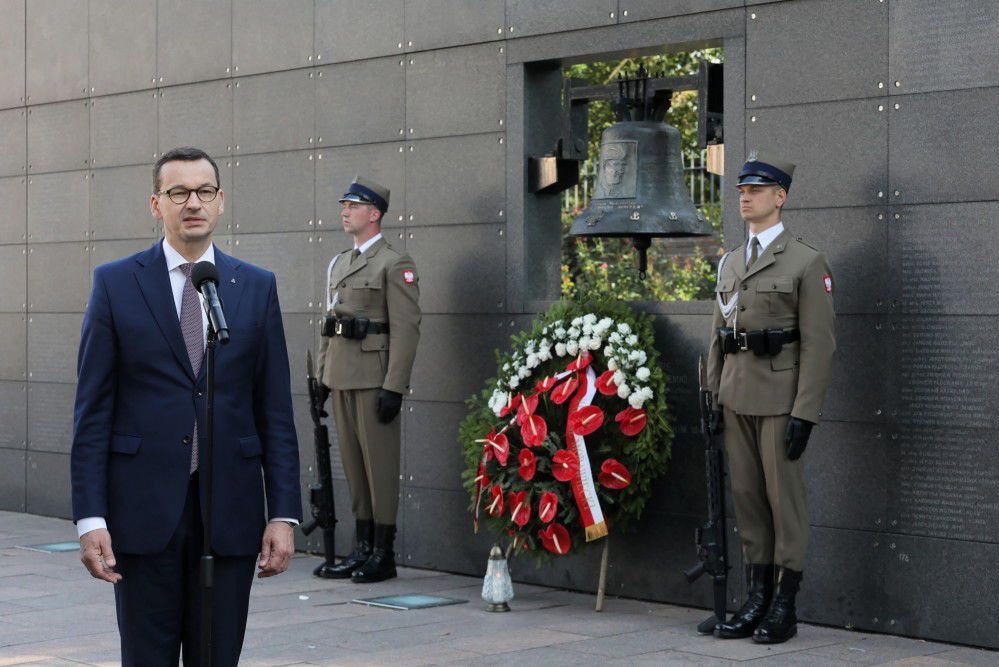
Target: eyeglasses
[179, 195]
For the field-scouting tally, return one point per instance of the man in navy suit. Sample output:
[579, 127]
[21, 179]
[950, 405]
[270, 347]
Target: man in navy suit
[140, 414]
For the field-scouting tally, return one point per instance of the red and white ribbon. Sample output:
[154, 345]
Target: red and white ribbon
[583, 487]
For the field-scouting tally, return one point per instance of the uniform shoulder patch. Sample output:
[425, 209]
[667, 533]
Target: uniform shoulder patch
[409, 276]
[827, 283]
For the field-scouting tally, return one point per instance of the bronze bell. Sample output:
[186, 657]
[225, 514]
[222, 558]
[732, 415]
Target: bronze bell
[639, 191]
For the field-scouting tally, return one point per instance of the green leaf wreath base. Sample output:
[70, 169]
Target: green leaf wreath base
[621, 343]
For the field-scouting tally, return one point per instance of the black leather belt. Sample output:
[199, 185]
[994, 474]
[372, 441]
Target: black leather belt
[762, 343]
[355, 328]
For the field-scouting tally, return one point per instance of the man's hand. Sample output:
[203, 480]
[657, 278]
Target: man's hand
[324, 393]
[96, 554]
[796, 437]
[276, 549]
[387, 403]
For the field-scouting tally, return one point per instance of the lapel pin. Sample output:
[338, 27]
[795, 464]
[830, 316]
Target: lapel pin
[232, 280]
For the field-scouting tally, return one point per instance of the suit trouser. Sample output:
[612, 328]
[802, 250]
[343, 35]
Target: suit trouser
[158, 599]
[768, 490]
[369, 451]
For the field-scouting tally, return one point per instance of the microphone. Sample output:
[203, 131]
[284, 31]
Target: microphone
[205, 277]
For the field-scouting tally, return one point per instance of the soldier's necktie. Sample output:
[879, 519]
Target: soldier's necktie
[353, 256]
[192, 326]
[754, 252]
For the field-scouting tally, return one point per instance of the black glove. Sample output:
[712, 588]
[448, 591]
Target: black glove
[716, 423]
[387, 403]
[796, 437]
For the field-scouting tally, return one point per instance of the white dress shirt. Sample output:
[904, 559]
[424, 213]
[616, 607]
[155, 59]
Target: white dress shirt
[766, 237]
[177, 279]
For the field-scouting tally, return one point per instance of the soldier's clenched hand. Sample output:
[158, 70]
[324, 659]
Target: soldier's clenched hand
[796, 437]
[388, 403]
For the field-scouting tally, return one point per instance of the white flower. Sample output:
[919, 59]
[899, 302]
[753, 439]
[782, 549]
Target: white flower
[572, 348]
[533, 361]
[545, 353]
[584, 343]
[623, 391]
[624, 328]
[560, 333]
[560, 349]
[643, 373]
[595, 343]
[642, 357]
[636, 400]
[573, 333]
[632, 339]
[612, 364]
[590, 318]
[633, 355]
[587, 329]
[606, 323]
[514, 381]
[576, 321]
[647, 392]
[618, 378]
[615, 337]
[506, 368]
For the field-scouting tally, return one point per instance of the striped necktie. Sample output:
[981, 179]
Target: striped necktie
[192, 326]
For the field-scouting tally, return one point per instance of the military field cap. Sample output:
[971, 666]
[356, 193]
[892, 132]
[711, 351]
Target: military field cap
[367, 192]
[766, 170]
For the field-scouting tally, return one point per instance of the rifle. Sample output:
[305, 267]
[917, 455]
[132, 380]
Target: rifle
[711, 538]
[321, 494]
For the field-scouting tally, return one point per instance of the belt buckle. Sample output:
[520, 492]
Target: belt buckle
[338, 328]
[742, 341]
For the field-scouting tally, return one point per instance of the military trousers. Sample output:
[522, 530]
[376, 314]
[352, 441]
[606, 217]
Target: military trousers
[768, 490]
[369, 451]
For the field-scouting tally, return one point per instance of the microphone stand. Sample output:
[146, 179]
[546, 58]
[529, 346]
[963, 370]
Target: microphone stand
[205, 466]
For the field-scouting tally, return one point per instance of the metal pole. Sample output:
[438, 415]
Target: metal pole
[205, 472]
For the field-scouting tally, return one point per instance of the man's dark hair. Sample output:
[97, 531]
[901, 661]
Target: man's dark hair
[184, 154]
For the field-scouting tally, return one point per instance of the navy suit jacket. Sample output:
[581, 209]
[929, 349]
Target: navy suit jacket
[137, 399]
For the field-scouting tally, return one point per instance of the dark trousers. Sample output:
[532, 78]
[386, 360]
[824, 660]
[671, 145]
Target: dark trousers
[158, 599]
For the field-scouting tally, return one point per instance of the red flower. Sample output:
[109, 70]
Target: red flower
[605, 383]
[482, 478]
[632, 421]
[547, 506]
[528, 464]
[495, 507]
[520, 507]
[527, 407]
[497, 446]
[565, 465]
[544, 384]
[585, 421]
[581, 362]
[555, 538]
[562, 392]
[614, 475]
[533, 430]
[510, 406]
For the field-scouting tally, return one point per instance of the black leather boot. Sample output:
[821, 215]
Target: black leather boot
[381, 565]
[781, 622]
[356, 558]
[760, 588]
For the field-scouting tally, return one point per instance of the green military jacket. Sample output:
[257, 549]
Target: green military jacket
[789, 287]
[383, 286]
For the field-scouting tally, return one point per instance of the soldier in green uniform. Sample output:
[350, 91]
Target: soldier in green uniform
[771, 350]
[366, 353]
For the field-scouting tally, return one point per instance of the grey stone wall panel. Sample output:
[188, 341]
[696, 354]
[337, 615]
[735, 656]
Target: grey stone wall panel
[119, 204]
[59, 206]
[193, 41]
[447, 256]
[361, 102]
[534, 17]
[13, 347]
[860, 388]
[456, 91]
[432, 455]
[56, 50]
[839, 148]
[12, 53]
[435, 24]
[123, 129]
[788, 56]
[102, 252]
[264, 40]
[199, 114]
[12, 479]
[855, 595]
[13, 142]
[274, 192]
[643, 10]
[848, 469]
[288, 256]
[13, 272]
[442, 189]
[275, 112]
[49, 337]
[938, 144]
[13, 416]
[47, 482]
[943, 46]
[358, 29]
[59, 137]
[58, 277]
[50, 416]
[122, 45]
[14, 212]
[300, 336]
